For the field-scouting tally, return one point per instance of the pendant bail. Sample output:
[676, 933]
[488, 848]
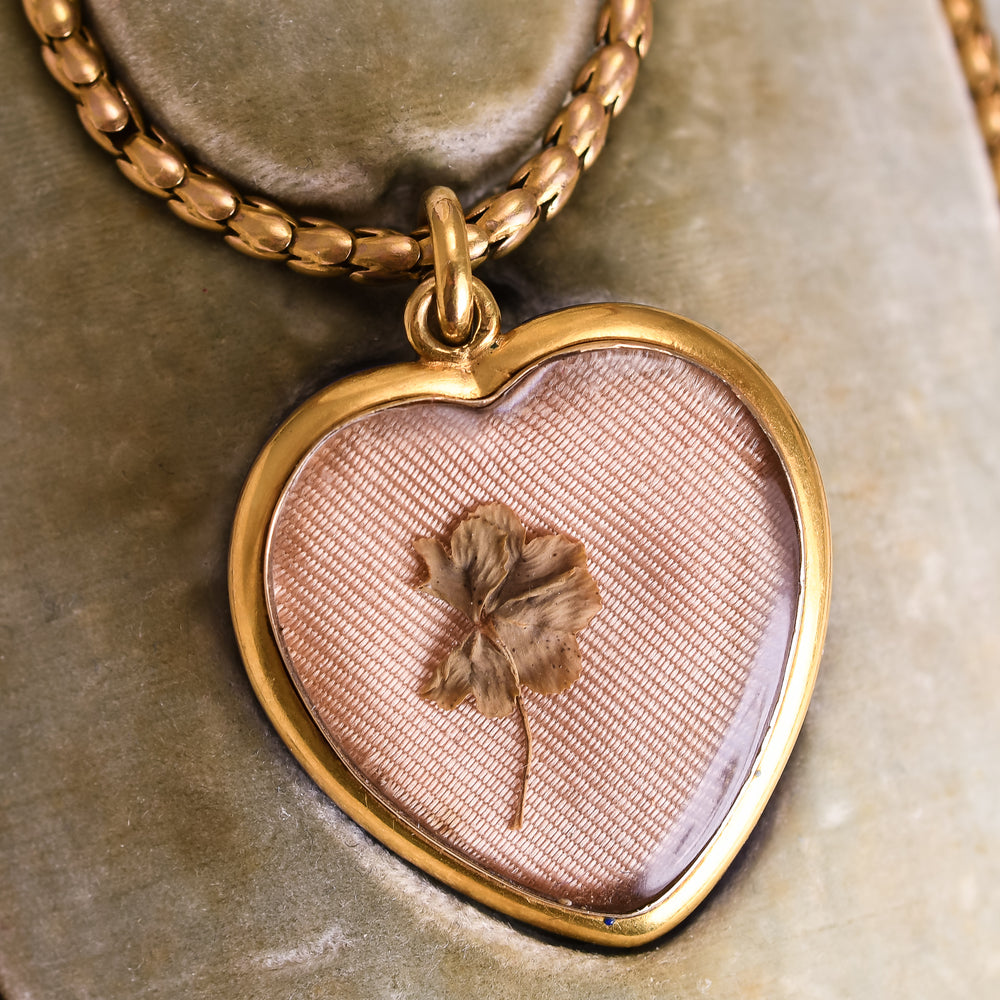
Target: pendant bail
[453, 292]
[466, 318]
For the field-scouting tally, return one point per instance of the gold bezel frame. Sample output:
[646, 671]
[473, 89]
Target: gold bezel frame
[477, 381]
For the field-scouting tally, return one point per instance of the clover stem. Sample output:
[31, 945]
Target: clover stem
[519, 815]
[491, 632]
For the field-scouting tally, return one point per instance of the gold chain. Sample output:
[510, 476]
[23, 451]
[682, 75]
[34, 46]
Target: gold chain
[978, 53]
[259, 228]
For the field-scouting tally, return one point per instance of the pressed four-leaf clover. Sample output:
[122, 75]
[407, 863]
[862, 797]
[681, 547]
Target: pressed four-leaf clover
[526, 600]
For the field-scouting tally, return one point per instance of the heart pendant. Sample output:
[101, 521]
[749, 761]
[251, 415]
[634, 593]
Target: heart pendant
[664, 452]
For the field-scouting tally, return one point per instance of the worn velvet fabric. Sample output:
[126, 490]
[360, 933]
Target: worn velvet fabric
[806, 178]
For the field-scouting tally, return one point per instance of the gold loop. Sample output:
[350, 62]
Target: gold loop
[452, 265]
[427, 341]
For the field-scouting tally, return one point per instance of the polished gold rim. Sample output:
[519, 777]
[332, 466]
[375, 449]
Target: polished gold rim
[580, 329]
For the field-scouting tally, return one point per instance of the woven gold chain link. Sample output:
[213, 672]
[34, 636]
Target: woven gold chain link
[538, 189]
[978, 53]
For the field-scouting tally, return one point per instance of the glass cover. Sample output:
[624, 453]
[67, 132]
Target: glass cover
[683, 507]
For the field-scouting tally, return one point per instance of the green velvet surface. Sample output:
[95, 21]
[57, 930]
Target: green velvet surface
[807, 179]
[357, 109]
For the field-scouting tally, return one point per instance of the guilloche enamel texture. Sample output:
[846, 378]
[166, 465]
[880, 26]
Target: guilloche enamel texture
[684, 510]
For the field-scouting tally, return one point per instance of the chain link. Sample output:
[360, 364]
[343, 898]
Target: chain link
[978, 54]
[259, 228]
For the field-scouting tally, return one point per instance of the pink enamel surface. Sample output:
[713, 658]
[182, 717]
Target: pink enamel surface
[683, 507]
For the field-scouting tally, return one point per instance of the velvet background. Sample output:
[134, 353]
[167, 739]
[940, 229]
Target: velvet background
[805, 177]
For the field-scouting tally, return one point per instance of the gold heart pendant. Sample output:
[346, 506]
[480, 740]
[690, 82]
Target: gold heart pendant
[677, 478]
